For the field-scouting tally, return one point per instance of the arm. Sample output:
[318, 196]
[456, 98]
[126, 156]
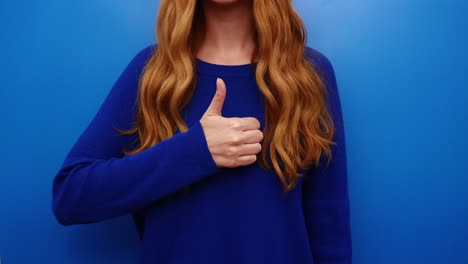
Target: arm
[325, 189]
[97, 181]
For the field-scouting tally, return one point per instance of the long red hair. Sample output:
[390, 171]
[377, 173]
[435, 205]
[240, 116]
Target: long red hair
[298, 127]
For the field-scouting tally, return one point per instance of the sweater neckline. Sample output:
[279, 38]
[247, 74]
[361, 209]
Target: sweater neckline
[207, 68]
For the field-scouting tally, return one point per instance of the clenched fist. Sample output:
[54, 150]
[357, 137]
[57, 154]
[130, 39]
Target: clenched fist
[232, 141]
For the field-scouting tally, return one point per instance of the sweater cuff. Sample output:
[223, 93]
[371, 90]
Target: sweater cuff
[193, 152]
[198, 142]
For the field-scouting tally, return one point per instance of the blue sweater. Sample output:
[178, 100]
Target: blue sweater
[228, 215]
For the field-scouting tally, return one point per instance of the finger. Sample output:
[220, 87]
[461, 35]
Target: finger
[247, 123]
[252, 136]
[246, 160]
[217, 102]
[250, 149]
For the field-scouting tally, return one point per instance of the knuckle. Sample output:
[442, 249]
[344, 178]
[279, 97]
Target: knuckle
[254, 158]
[260, 134]
[254, 122]
[235, 124]
[259, 146]
[257, 122]
[235, 139]
[231, 151]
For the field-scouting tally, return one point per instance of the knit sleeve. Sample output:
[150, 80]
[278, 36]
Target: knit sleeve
[97, 181]
[325, 188]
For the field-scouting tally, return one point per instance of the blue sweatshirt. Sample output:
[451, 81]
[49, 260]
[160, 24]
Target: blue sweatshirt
[228, 215]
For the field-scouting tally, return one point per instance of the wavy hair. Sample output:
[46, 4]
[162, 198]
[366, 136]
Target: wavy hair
[298, 127]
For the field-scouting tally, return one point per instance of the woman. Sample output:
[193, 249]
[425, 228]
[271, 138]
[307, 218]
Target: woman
[224, 141]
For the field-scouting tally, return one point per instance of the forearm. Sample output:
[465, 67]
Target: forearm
[89, 190]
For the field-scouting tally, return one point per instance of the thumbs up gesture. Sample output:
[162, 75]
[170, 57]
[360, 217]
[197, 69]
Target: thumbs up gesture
[232, 141]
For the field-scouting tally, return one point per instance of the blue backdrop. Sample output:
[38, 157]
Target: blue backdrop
[401, 68]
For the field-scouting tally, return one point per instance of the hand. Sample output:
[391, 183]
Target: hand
[232, 141]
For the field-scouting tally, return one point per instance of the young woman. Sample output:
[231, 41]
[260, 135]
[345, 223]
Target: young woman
[224, 140]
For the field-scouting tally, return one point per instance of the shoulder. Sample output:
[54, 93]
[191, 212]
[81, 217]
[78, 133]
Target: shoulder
[321, 64]
[148, 50]
[138, 61]
[143, 55]
[325, 70]
[124, 89]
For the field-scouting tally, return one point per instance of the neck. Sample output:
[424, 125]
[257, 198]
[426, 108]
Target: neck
[228, 32]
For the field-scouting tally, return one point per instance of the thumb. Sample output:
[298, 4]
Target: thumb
[217, 102]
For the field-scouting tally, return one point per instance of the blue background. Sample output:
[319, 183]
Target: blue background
[401, 68]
